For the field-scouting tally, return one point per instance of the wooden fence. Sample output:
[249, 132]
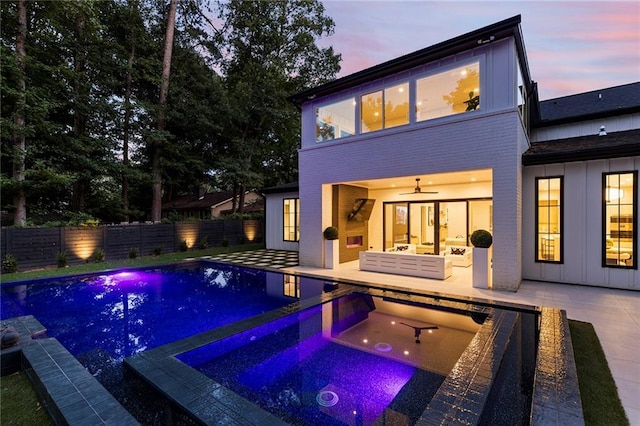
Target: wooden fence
[39, 247]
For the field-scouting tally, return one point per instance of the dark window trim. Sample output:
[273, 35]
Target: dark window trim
[296, 218]
[634, 235]
[537, 221]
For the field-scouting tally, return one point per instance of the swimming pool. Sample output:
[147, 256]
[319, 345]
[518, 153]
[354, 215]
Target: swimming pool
[103, 318]
[120, 314]
[167, 325]
[358, 359]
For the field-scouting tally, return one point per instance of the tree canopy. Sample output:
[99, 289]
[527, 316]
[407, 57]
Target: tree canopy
[81, 101]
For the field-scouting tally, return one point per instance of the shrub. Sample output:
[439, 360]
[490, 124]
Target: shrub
[134, 252]
[9, 264]
[62, 259]
[98, 255]
[203, 244]
[183, 246]
[224, 243]
[331, 233]
[157, 251]
[481, 238]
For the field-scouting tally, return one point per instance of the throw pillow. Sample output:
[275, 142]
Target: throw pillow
[458, 250]
[402, 248]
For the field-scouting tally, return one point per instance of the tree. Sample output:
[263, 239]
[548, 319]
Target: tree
[19, 141]
[269, 53]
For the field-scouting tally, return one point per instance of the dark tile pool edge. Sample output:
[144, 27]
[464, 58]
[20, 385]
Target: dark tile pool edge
[69, 393]
[556, 394]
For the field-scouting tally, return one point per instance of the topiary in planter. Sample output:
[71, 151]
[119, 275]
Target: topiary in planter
[481, 238]
[331, 233]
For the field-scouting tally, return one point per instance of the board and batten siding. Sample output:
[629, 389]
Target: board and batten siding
[582, 227]
[274, 219]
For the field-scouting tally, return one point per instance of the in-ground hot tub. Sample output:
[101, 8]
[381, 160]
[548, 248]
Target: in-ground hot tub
[361, 357]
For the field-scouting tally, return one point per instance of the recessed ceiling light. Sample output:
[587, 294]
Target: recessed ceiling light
[473, 179]
[430, 183]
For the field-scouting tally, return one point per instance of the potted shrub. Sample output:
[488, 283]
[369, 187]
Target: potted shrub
[331, 250]
[482, 241]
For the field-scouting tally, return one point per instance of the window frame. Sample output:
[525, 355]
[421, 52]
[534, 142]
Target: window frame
[634, 223]
[296, 216]
[537, 234]
[482, 106]
[383, 90]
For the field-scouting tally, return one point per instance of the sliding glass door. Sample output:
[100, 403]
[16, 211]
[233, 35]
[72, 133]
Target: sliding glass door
[433, 226]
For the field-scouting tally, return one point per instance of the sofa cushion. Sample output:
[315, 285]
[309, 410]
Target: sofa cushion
[458, 250]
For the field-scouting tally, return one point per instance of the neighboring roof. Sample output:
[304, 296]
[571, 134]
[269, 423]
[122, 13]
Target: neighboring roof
[193, 202]
[500, 30]
[624, 99]
[286, 187]
[583, 148]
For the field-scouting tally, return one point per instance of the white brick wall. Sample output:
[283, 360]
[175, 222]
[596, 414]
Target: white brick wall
[473, 141]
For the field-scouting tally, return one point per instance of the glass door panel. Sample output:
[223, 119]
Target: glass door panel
[422, 227]
[396, 224]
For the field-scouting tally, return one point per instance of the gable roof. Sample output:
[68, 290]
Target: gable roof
[618, 100]
[507, 28]
[582, 148]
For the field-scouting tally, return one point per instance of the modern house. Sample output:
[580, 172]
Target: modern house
[210, 205]
[424, 149]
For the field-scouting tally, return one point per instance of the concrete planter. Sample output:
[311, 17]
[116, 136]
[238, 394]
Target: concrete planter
[331, 254]
[482, 273]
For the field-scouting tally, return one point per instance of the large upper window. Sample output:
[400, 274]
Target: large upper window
[447, 93]
[291, 209]
[336, 120]
[549, 196]
[620, 205]
[385, 108]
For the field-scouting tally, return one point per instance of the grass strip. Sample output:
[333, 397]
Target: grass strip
[86, 268]
[19, 403]
[600, 401]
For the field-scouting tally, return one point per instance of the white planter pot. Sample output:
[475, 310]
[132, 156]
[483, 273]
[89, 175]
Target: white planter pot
[482, 273]
[331, 254]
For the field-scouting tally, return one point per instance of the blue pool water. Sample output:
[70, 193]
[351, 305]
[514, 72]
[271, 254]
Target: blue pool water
[123, 313]
[349, 361]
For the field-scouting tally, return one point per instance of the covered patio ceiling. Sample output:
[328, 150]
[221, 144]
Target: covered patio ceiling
[426, 180]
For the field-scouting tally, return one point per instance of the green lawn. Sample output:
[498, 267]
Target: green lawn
[598, 392]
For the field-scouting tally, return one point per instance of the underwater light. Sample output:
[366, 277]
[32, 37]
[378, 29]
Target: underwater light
[383, 347]
[327, 398]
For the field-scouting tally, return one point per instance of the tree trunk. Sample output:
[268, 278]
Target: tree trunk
[81, 187]
[19, 142]
[241, 198]
[126, 129]
[156, 173]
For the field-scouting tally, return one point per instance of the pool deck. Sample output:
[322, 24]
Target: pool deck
[615, 314]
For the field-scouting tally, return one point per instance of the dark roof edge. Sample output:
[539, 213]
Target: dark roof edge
[500, 30]
[601, 153]
[586, 117]
[287, 187]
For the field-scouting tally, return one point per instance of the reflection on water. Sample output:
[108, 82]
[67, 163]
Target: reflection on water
[127, 312]
[348, 361]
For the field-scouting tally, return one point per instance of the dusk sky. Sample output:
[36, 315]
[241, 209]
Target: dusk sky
[572, 47]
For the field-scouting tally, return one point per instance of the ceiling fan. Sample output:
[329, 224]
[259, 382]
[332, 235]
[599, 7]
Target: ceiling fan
[418, 190]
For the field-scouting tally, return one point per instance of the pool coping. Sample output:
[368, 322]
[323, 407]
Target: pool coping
[69, 393]
[555, 400]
